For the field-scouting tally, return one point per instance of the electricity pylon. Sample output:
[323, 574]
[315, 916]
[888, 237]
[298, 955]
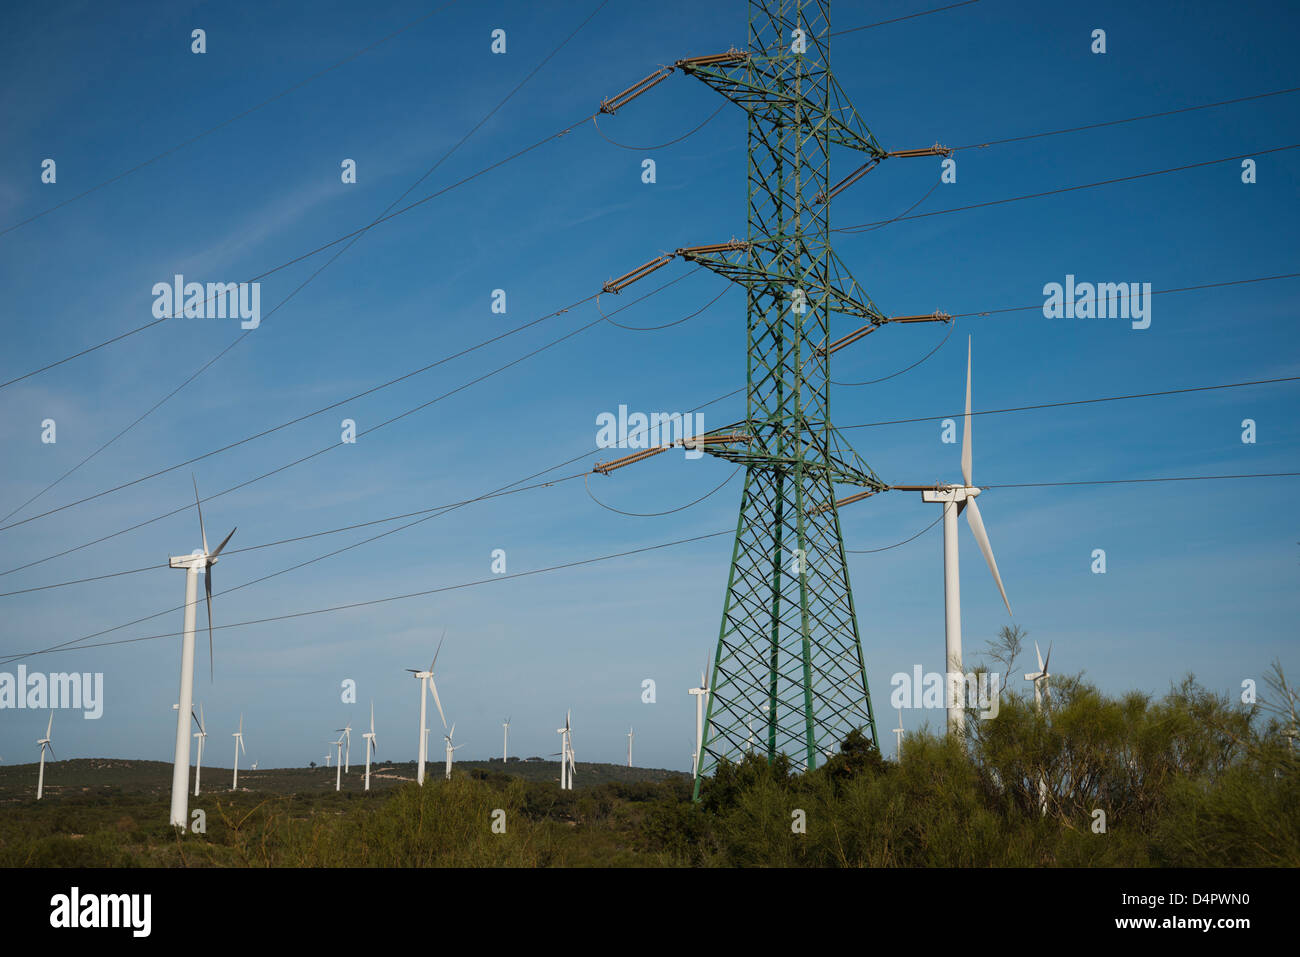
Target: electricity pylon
[789, 654]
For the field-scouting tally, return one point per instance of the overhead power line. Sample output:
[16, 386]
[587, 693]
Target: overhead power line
[571, 127]
[863, 227]
[297, 289]
[586, 475]
[1058, 405]
[66, 646]
[332, 445]
[224, 123]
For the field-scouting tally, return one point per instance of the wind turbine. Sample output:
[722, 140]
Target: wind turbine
[44, 743]
[253, 767]
[1040, 675]
[898, 732]
[629, 747]
[505, 744]
[1039, 694]
[371, 742]
[328, 757]
[963, 498]
[193, 564]
[567, 766]
[426, 682]
[239, 746]
[451, 748]
[346, 731]
[700, 694]
[338, 765]
[200, 734]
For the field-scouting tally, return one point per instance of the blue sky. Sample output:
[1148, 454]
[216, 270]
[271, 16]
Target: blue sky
[1200, 576]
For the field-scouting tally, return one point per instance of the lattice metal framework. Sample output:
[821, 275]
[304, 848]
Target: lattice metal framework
[789, 671]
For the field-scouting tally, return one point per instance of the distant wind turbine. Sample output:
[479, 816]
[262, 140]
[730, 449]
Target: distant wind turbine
[338, 765]
[567, 766]
[426, 683]
[346, 731]
[239, 746]
[1040, 691]
[505, 744]
[451, 748]
[701, 694]
[898, 754]
[629, 747]
[193, 564]
[201, 734]
[371, 742]
[45, 744]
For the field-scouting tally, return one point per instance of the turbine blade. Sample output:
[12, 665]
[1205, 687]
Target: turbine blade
[196, 719]
[1039, 653]
[51, 747]
[372, 717]
[1043, 669]
[207, 591]
[201, 727]
[199, 506]
[225, 541]
[966, 455]
[436, 701]
[981, 536]
[49, 725]
[438, 650]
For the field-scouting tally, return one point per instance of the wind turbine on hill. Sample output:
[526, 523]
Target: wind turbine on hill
[328, 758]
[567, 766]
[505, 744]
[451, 748]
[201, 734]
[955, 499]
[426, 682]
[338, 765]
[700, 693]
[898, 732]
[629, 747]
[193, 564]
[1043, 691]
[346, 731]
[45, 744]
[371, 742]
[239, 746]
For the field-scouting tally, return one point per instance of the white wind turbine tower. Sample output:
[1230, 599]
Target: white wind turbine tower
[44, 743]
[338, 765]
[700, 693]
[629, 747]
[327, 757]
[346, 731]
[567, 766]
[505, 744]
[239, 746]
[371, 742]
[253, 766]
[451, 748]
[898, 732]
[201, 734]
[1043, 691]
[426, 682]
[193, 564]
[1039, 694]
[963, 497]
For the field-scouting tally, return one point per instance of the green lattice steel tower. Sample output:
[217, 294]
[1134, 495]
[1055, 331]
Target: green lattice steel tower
[789, 668]
[789, 660]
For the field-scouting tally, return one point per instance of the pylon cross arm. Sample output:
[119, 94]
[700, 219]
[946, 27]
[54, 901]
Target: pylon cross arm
[720, 258]
[752, 86]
